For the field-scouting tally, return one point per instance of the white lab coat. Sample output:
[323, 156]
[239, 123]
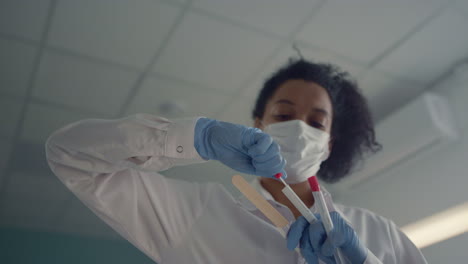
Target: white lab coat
[112, 166]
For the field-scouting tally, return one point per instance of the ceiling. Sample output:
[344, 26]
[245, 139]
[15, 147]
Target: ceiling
[65, 60]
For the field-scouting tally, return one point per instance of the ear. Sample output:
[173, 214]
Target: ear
[258, 123]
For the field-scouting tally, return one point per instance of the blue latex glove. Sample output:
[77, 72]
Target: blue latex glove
[316, 245]
[244, 149]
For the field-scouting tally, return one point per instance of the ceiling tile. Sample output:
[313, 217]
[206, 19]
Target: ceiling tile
[24, 18]
[158, 93]
[31, 154]
[41, 121]
[33, 200]
[282, 58]
[127, 32]
[79, 83]
[28, 212]
[451, 88]
[256, 84]
[352, 67]
[217, 55]
[455, 247]
[6, 146]
[16, 64]
[277, 16]
[79, 219]
[386, 93]
[239, 111]
[178, 1]
[364, 29]
[43, 185]
[462, 7]
[432, 51]
[10, 110]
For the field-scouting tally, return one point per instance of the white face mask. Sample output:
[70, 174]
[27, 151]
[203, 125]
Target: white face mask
[304, 148]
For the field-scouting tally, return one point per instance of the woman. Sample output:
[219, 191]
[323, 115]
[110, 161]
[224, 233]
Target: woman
[314, 122]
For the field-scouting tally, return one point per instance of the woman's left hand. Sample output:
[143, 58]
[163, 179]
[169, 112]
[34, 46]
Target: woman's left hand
[315, 244]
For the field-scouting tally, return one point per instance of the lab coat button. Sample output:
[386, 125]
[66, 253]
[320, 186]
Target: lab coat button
[180, 149]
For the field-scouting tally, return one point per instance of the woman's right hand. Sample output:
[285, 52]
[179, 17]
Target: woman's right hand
[245, 149]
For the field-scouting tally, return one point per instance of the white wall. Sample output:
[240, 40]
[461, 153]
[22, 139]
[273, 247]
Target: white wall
[428, 183]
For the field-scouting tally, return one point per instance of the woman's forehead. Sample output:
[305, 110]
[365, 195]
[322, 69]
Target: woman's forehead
[302, 94]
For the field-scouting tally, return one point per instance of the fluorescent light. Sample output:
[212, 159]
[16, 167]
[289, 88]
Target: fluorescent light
[438, 227]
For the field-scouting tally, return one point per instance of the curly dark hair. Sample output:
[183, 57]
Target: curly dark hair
[352, 130]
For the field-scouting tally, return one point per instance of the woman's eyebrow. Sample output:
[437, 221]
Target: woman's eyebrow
[316, 109]
[284, 101]
[321, 110]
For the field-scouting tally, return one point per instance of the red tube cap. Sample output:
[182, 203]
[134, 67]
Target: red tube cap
[314, 185]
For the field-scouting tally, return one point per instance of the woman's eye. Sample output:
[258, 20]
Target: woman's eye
[282, 117]
[317, 125]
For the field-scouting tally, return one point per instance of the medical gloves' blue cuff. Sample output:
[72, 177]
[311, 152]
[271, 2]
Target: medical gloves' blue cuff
[199, 139]
[349, 241]
[356, 252]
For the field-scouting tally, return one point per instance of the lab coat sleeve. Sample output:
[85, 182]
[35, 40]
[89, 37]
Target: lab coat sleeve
[111, 166]
[404, 250]
[371, 258]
